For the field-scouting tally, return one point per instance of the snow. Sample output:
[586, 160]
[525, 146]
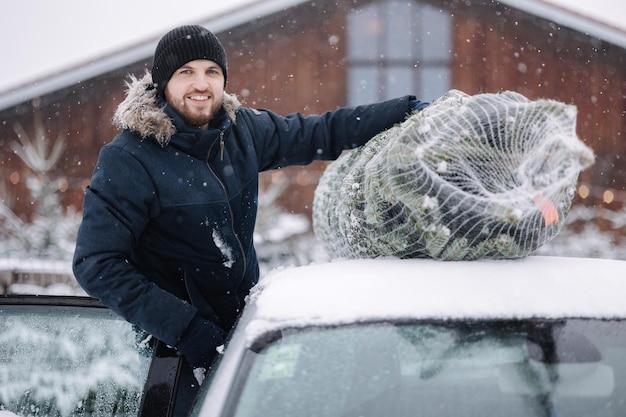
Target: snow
[611, 11]
[54, 289]
[227, 251]
[288, 226]
[41, 265]
[38, 276]
[348, 291]
[55, 361]
[602, 19]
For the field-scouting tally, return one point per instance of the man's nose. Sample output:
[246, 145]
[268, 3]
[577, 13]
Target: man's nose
[201, 82]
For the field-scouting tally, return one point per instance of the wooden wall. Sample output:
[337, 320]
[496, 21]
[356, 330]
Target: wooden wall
[509, 50]
[81, 116]
[291, 63]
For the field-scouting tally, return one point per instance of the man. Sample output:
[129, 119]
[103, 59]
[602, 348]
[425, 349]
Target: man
[166, 237]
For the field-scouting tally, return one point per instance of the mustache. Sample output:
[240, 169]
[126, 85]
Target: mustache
[201, 92]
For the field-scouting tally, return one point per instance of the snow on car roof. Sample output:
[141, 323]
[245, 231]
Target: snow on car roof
[372, 289]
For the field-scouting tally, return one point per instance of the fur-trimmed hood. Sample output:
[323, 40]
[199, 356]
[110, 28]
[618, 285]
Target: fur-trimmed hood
[140, 111]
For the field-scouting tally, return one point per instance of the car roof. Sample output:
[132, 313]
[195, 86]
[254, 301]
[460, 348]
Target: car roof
[349, 291]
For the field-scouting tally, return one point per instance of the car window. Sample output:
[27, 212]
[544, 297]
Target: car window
[70, 361]
[569, 368]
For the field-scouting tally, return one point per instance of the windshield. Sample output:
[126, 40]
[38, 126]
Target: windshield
[539, 368]
[70, 361]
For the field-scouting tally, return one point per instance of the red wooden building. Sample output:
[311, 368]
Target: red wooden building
[311, 56]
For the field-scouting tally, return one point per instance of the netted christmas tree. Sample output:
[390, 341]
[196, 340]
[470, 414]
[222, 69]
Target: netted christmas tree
[468, 177]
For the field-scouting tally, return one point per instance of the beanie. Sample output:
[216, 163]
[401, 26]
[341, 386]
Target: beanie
[184, 44]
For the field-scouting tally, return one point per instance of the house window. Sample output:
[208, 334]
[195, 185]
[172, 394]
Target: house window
[397, 48]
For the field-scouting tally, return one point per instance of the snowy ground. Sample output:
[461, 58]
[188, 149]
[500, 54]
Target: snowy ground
[582, 238]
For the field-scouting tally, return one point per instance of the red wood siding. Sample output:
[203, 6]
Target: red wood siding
[294, 61]
[512, 51]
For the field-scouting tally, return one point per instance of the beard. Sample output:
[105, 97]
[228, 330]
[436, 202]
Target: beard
[196, 117]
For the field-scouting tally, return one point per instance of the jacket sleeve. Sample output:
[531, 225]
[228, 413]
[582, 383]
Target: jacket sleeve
[297, 139]
[118, 204]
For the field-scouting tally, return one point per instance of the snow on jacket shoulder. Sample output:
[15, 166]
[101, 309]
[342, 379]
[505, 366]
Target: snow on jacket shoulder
[168, 219]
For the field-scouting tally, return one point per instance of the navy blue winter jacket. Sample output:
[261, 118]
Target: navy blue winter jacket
[169, 216]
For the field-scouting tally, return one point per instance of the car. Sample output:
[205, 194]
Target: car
[63, 356]
[537, 336]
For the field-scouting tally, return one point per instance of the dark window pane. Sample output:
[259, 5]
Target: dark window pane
[434, 82]
[400, 35]
[397, 48]
[436, 35]
[398, 80]
[365, 28]
[363, 85]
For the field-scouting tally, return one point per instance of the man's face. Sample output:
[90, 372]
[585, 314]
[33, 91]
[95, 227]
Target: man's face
[196, 91]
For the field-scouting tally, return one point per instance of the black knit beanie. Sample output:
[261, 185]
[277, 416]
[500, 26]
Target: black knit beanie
[184, 44]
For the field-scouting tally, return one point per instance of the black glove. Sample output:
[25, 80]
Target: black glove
[199, 342]
[417, 105]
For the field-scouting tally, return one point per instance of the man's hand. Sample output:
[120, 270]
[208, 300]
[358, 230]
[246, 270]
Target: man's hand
[200, 341]
[417, 105]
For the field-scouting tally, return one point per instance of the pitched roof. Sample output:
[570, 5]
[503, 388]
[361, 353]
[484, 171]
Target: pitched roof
[605, 20]
[108, 53]
[602, 19]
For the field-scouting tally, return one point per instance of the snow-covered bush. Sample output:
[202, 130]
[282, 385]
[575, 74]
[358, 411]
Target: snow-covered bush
[51, 231]
[583, 237]
[282, 238]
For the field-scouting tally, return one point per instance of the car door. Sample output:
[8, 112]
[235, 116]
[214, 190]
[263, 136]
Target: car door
[70, 356]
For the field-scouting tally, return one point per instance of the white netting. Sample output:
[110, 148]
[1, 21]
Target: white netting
[468, 177]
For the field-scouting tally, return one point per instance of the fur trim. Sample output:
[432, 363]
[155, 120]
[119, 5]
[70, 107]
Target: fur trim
[141, 113]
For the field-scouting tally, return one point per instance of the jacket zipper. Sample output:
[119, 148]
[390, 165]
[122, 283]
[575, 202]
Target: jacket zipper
[221, 146]
[223, 187]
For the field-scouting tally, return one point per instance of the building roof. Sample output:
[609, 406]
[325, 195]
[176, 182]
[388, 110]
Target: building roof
[105, 53]
[604, 19]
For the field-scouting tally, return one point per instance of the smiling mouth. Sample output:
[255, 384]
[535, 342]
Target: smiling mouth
[199, 98]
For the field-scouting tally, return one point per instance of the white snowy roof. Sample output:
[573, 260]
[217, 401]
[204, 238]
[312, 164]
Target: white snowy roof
[372, 289]
[51, 45]
[86, 39]
[603, 19]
